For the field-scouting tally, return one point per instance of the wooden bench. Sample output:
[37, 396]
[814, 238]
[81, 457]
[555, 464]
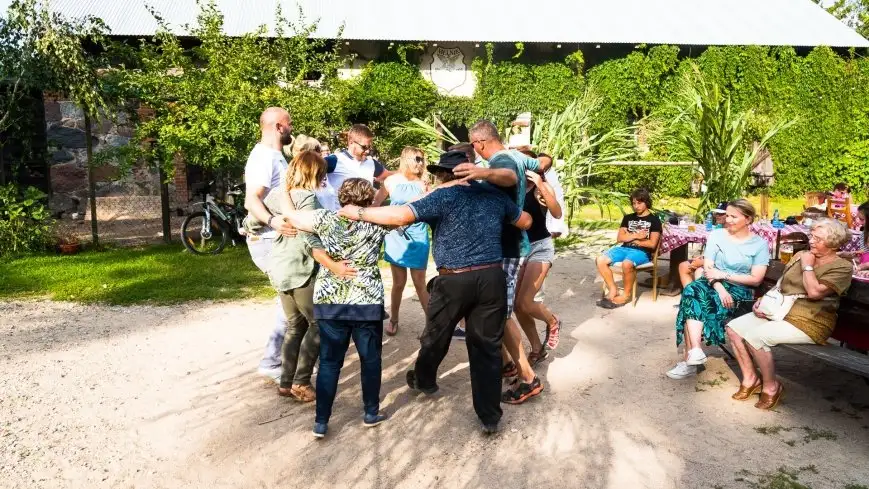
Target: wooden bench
[852, 328]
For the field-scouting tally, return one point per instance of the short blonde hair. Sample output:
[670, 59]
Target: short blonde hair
[305, 143]
[306, 171]
[412, 162]
[837, 234]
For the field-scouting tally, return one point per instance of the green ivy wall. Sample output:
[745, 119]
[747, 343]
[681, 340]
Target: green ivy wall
[827, 93]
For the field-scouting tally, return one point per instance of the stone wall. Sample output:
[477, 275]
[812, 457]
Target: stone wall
[65, 133]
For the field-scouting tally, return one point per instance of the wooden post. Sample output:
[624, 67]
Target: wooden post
[92, 184]
[164, 204]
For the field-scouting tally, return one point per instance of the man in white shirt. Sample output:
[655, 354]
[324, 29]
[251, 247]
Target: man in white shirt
[262, 173]
[353, 162]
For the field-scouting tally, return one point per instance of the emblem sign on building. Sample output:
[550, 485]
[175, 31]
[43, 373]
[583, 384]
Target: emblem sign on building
[449, 72]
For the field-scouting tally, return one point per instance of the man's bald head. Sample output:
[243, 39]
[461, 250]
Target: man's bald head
[275, 124]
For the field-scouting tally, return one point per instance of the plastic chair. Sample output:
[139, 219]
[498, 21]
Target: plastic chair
[840, 209]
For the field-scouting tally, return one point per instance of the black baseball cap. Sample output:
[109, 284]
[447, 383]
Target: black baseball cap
[721, 209]
[448, 161]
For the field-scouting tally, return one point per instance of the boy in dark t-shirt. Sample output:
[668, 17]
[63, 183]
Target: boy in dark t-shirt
[638, 238]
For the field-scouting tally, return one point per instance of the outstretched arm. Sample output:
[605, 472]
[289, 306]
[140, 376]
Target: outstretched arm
[303, 220]
[502, 177]
[395, 215]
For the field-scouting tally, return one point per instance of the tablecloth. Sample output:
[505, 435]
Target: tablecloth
[674, 236]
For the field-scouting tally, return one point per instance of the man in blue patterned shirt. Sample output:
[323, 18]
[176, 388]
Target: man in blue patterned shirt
[467, 222]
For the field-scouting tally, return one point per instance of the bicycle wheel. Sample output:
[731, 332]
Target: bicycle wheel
[200, 240]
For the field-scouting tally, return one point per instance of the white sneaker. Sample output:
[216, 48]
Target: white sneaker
[273, 374]
[682, 371]
[696, 357]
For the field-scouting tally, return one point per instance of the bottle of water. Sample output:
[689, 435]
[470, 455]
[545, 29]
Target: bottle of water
[709, 221]
[776, 222]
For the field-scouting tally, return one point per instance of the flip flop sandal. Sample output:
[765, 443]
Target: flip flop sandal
[603, 303]
[612, 305]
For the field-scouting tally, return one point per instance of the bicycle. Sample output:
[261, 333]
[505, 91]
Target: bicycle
[206, 232]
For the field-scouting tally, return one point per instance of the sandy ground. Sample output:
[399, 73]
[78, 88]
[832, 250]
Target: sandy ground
[160, 397]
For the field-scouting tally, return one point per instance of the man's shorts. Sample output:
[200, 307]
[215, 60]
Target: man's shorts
[511, 267]
[619, 254]
[260, 249]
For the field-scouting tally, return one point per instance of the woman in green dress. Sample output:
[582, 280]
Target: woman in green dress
[734, 262]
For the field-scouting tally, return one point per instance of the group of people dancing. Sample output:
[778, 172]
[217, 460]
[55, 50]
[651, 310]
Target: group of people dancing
[718, 302]
[316, 227]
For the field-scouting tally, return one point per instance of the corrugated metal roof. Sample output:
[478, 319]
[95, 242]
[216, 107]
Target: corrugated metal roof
[683, 22]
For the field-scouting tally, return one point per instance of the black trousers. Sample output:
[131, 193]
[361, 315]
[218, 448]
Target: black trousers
[480, 297]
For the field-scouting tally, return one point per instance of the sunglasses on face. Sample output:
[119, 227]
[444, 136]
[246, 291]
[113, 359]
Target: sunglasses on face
[365, 147]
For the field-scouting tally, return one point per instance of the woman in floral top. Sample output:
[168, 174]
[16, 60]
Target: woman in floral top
[347, 307]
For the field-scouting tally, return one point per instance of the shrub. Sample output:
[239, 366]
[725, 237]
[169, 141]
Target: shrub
[25, 224]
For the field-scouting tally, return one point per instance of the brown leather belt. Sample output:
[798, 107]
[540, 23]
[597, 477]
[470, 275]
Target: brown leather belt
[454, 271]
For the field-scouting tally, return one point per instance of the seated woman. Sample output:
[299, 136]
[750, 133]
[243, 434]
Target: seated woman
[822, 277]
[860, 256]
[690, 270]
[735, 260]
[347, 307]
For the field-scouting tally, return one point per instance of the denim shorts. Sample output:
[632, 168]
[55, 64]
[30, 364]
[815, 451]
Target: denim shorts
[619, 254]
[542, 251]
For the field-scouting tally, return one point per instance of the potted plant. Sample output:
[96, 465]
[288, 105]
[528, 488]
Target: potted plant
[68, 243]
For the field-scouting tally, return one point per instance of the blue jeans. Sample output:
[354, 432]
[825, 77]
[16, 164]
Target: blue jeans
[619, 254]
[334, 340]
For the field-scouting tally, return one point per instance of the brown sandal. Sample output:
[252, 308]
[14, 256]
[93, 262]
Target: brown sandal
[745, 392]
[536, 357]
[767, 401]
[303, 393]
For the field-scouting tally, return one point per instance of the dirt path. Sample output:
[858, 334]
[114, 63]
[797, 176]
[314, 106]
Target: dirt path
[166, 397]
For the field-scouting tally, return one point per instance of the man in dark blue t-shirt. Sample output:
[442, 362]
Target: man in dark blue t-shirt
[467, 221]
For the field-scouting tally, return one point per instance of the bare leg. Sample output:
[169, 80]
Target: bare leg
[526, 309]
[693, 335]
[418, 278]
[603, 268]
[399, 281]
[686, 275]
[743, 358]
[629, 272]
[766, 365]
[513, 342]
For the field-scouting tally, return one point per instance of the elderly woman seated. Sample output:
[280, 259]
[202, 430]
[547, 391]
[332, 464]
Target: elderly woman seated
[820, 277]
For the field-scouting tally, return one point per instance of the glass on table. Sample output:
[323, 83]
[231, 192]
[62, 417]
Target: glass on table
[786, 252]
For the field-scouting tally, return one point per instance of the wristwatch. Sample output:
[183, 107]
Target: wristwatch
[359, 213]
[808, 268]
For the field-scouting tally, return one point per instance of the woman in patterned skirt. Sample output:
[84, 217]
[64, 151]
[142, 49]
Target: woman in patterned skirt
[734, 262]
[408, 247]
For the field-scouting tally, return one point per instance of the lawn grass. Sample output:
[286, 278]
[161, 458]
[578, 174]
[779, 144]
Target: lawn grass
[158, 275]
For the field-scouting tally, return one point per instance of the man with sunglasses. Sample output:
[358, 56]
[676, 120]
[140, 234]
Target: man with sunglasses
[353, 162]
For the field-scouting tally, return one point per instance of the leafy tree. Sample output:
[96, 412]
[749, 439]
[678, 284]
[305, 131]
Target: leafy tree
[854, 13]
[707, 130]
[207, 99]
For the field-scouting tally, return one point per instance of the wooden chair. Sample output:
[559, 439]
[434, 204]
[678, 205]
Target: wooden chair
[814, 199]
[651, 267]
[840, 209]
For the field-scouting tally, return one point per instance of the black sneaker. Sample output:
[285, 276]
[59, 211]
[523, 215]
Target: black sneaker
[522, 392]
[411, 382]
[490, 429]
